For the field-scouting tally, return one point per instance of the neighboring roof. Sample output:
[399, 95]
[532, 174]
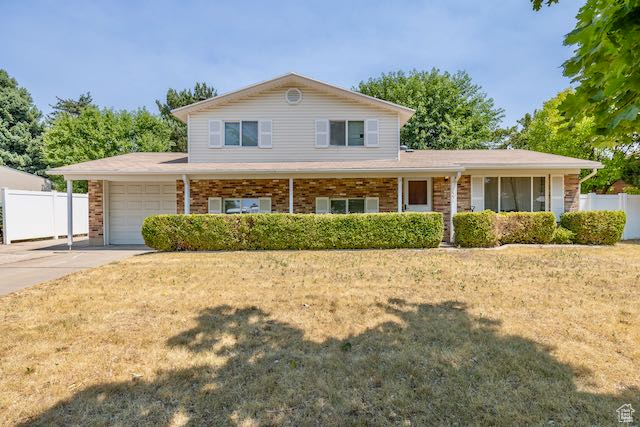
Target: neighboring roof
[20, 180]
[412, 161]
[292, 79]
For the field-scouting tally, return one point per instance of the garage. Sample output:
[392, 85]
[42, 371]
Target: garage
[131, 202]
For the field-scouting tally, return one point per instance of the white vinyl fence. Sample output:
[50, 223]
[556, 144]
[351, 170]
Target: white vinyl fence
[37, 214]
[629, 203]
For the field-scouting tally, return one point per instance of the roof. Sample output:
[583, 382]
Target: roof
[409, 161]
[405, 113]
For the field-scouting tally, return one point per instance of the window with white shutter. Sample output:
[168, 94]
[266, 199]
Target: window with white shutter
[371, 133]
[477, 193]
[264, 204]
[372, 205]
[557, 195]
[322, 133]
[215, 205]
[215, 133]
[265, 135]
[322, 205]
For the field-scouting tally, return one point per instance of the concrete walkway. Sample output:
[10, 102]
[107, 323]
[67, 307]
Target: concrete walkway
[29, 263]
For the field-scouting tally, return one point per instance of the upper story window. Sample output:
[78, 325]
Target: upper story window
[346, 133]
[241, 133]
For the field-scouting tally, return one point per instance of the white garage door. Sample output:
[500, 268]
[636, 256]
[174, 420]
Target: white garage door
[131, 202]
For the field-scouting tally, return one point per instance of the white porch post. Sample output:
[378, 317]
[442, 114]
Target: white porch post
[290, 195]
[187, 194]
[69, 213]
[453, 203]
[399, 194]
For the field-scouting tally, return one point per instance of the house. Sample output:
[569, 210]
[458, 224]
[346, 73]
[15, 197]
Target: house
[19, 180]
[294, 144]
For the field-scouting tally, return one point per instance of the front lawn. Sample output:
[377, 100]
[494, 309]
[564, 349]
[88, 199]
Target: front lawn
[517, 335]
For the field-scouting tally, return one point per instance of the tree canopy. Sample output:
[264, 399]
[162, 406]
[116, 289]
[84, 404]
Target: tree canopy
[98, 133]
[451, 111]
[175, 99]
[70, 106]
[20, 127]
[605, 66]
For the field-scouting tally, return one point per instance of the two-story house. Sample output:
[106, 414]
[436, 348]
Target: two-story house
[294, 144]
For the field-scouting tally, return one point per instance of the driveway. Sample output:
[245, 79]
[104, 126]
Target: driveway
[29, 263]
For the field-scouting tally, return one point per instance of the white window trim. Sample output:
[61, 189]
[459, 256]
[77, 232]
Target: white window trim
[346, 199]
[547, 182]
[224, 134]
[346, 133]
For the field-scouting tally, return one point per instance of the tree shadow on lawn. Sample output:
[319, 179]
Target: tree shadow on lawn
[437, 365]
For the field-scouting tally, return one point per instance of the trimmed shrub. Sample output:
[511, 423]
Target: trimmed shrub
[475, 229]
[595, 227]
[293, 231]
[562, 236]
[526, 227]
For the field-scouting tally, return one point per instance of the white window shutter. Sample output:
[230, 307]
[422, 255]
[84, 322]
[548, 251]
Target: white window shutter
[557, 195]
[322, 133]
[264, 134]
[371, 138]
[477, 193]
[215, 133]
[215, 205]
[372, 205]
[322, 205]
[264, 204]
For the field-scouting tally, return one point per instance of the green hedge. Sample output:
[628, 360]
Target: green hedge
[292, 231]
[562, 236]
[475, 229]
[526, 227]
[595, 227]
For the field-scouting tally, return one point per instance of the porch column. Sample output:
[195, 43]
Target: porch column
[290, 195]
[453, 203]
[69, 213]
[187, 194]
[399, 194]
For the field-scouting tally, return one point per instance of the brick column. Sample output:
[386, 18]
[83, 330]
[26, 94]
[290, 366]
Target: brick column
[441, 198]
[571, 193]
[96, 213]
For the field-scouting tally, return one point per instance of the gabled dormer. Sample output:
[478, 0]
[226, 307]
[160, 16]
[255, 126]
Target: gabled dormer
[293, 118]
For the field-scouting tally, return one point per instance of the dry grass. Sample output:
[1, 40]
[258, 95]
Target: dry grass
[512, 336]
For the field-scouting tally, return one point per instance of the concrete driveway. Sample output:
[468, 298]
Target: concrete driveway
[29, 263]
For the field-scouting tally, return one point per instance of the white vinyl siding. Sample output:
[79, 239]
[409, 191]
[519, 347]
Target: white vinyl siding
[294, 135]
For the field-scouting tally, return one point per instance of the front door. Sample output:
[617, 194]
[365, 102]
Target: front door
[418, 195]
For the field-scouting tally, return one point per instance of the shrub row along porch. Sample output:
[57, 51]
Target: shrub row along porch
[113, 203]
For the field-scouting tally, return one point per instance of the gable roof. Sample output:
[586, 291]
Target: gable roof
[404, 113]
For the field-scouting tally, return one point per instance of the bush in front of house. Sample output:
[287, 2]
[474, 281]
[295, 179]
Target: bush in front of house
[526, 227]
[292, 231]
[562, 236]
[595, 227]
[475, 229]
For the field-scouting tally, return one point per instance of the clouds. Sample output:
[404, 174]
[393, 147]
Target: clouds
[128, 54]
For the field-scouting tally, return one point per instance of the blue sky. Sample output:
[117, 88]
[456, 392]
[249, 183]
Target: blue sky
[128, 53]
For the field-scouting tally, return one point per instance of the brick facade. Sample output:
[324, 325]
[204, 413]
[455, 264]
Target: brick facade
[305, 191]
[201, 190]
[442, 198]
[571, 193]
[96, 213]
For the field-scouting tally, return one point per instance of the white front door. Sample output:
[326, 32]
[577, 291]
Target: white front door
[131, 202]
[418, 194]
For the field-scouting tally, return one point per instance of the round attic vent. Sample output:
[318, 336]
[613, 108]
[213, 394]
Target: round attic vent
[293, 96]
